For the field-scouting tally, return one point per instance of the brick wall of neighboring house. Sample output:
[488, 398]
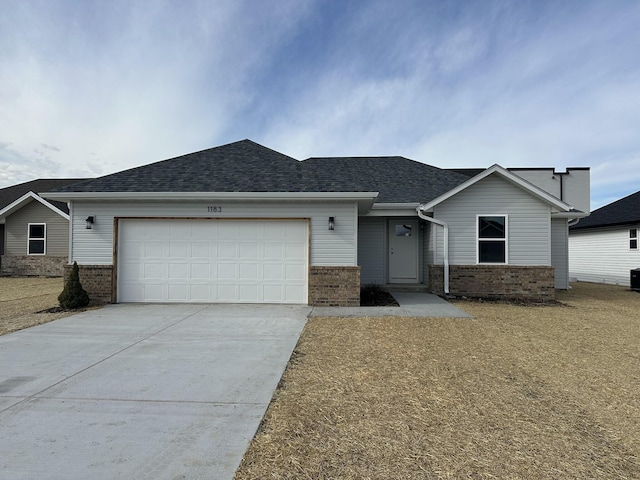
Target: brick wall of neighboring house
[33, 265]
[495, 281]
[96, 280]
[334, 286]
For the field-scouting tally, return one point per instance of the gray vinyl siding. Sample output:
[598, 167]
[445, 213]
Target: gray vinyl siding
[372, 250]
[16, 226]
[560, 252]
[327, 247]
[529, 225]
[573, 187]
[602, 255]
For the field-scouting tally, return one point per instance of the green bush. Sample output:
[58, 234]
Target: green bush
[73, 295]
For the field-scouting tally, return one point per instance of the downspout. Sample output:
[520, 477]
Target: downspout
[446, 245]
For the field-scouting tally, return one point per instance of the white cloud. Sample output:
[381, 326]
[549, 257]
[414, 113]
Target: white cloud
[148, 84]
[118, 84]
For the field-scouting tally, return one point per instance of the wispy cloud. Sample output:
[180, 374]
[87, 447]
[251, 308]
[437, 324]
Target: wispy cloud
[112, 85]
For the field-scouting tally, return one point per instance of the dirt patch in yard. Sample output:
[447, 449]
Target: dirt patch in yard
[517, 392]
[24, 302]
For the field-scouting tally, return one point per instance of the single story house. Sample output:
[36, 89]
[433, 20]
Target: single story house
[34, 231]
[244, 223]
[603, 248]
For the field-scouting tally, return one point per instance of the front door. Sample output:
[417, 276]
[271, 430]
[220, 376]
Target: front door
[403, 251]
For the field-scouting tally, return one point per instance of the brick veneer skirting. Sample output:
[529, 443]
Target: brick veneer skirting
[96, 280]
[334, 286]
[495, 281]
[31, 265]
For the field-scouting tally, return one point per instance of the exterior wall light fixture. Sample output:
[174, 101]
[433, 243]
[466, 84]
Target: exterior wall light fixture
[90, 221]
[332, 223]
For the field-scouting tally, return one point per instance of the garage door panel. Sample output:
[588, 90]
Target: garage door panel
[295, 272]
[273, 272]
[227, 250]
[295, 251]
[179, 270]
[201, 271]
[154, 271]
[213, 261]
[200, 293]
[200, 250]
[154, 292]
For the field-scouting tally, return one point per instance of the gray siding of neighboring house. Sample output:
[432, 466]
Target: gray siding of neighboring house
[529, 225]
[560, 252]
[602, 255]
[372, 250]
[2, 239]
[327, 247]
[16, 227]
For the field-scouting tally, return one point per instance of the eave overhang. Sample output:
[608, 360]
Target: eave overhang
[365, 200]
[24, 200]
[557, 205]
[393, 210]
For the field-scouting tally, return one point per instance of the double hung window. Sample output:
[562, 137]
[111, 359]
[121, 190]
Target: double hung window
[37, 239]
[633, 239]
[492, 239]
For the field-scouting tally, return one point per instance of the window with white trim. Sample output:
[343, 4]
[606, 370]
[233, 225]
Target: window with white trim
[37, 239]
[633, 238]
[492, 238]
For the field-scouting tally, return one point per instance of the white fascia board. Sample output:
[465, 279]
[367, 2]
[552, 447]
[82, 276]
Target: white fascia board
[26, 198]
[365, 200]
[510, 177]
[211, 195]
[393, 210]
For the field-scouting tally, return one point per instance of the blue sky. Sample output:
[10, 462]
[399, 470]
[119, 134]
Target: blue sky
[89, 88]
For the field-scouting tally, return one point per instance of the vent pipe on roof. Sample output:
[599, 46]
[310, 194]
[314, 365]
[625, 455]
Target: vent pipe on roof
[446, 245]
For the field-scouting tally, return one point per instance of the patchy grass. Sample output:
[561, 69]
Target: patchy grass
[23, 298]
[518, 392]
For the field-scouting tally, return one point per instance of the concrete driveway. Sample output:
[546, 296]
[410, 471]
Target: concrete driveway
[141, 391]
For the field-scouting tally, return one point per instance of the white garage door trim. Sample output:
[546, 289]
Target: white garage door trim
[170, 260]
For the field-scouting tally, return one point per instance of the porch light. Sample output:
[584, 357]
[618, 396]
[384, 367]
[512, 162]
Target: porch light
[90, 221]
[332, 223]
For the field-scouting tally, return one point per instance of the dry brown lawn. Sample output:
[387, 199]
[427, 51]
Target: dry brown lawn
[22, 297]
[519, 392]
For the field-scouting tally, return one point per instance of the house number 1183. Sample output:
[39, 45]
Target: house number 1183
[214, 209]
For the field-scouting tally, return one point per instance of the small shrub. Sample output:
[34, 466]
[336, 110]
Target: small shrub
[73, 295]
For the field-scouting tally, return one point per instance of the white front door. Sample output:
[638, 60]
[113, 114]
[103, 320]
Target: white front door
[230, 261]
[403, 251]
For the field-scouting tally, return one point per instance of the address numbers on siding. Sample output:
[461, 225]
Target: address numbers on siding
[214, 209]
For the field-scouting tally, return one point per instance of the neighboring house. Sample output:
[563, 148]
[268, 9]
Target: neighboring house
[603, 248]
[34, 232]
[243, 223]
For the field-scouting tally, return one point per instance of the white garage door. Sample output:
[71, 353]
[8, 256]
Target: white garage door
[227, 261]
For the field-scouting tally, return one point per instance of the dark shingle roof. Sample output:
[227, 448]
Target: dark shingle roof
[246, 166]
[242, 166]
[10, 194]
[621, 212]
[397, 179]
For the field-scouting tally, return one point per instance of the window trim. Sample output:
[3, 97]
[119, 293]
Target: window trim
[505, 239]
[43, 239]
[633, 237]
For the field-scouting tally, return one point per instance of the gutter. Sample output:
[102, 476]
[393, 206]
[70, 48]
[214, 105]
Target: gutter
[446, 244]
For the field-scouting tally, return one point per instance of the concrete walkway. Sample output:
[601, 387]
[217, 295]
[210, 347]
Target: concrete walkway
[412, 304]
[141, 391]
